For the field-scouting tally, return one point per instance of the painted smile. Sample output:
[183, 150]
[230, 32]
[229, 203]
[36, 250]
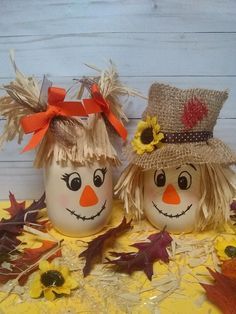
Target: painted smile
[170, 215]
[85, 217]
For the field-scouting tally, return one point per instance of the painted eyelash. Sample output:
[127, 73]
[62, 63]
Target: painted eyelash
[104, 170]
[65, 177]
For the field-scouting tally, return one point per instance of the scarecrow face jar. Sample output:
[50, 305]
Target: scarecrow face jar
[79, 199]
[171, 197]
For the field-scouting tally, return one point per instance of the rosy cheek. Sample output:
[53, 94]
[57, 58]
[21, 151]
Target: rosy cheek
[152, 193]
[63, 200]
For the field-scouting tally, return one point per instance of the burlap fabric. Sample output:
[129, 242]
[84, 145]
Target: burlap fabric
[168, 103]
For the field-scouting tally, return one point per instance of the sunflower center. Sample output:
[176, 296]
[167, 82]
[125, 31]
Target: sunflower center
[147, 136]
[52, 278]
[230, 251]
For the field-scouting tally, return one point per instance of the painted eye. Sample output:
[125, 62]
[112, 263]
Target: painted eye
[160, 178]
[184, 180]
[99, 176]
[73, 181]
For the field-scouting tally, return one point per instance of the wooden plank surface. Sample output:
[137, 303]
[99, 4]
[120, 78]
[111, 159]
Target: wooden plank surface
[85, 16]
[135, 54]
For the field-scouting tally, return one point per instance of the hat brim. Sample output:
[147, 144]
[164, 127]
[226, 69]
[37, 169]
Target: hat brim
[173, 155]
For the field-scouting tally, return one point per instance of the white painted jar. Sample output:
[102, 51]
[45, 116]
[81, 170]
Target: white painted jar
[79, 199]
[172, 197]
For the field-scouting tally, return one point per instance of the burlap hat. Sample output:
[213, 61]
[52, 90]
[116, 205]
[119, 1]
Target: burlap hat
[185, 121]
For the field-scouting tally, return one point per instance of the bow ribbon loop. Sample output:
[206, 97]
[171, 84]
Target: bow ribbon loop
[56, 95]
[98, 104]
[99, 99]
[40, 122]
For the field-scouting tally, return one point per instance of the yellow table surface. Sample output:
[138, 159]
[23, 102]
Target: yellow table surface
[106, 291]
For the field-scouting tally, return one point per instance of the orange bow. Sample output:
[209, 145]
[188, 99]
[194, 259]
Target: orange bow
[98, 104]
[40, 122]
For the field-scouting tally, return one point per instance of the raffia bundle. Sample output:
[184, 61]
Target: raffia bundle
[68, 140]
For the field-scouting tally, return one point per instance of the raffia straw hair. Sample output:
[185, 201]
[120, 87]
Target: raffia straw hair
[69, 140]
[218, 189]
[22, 99]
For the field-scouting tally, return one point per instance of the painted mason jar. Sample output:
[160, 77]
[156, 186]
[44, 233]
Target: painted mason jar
[179, 175]
[79, 199]
[74, 144]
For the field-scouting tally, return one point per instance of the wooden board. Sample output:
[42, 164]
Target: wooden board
[135, 54]
[85, 16]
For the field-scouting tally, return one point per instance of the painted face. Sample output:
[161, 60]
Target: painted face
[171, 197]
[79, 200]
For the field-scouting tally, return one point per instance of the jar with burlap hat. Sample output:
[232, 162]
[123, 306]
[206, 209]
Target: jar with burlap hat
[179, 175]
[74, 142]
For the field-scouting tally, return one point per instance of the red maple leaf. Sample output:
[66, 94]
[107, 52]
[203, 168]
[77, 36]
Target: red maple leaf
[96, 246]
[12, 227]
[222, 292]
[15, 207]
[21, 266]
[194, 111]
[228, 268]
[148, 253]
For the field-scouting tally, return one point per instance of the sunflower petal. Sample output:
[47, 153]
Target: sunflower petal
[44, 266]
[49, 294]
[61, 290]
[71, 282]
[35, 289]
[65, 271]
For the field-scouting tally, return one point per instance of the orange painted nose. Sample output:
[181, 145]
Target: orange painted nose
[170, 196]
[88, 197]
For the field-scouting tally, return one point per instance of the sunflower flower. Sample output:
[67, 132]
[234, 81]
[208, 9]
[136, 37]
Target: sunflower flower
[52, 280]
[147, 136]
[225, 247]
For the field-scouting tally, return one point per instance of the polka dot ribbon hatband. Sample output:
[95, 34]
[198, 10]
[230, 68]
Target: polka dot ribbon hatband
[187, 137]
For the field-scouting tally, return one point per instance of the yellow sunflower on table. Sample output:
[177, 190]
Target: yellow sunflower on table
[226, 247]
[147, 136]
[52, 280]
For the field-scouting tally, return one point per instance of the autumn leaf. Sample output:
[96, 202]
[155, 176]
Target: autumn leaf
[148, 253]
[228, 268]
[12, 227]
[222, 292]
[95, 247]
[20, 215]
[27, 262]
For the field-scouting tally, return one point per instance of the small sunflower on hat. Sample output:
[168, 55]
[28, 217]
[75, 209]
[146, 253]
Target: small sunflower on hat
[179, 174]
[147, 136]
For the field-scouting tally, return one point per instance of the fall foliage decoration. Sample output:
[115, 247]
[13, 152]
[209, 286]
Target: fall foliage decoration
[16, 263]
[148, 253]
[12, 227]
[222, 292]
[27, 262]
[194, 111]
[228, 268]
[52, 280]
[96, 247]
